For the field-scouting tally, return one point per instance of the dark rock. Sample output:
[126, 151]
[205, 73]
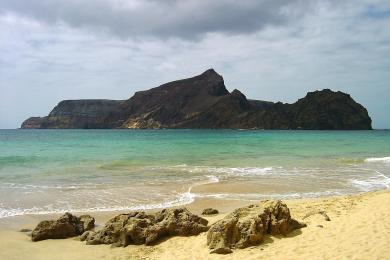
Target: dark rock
[210, 211]
[33, 122]
[141, 228]
[247, 226]
[221, 250]
[204, 102]
[64, 227]
[85, 113]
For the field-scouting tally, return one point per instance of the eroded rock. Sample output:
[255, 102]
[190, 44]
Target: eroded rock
[141, 228]
[247, 226]
[66, 226]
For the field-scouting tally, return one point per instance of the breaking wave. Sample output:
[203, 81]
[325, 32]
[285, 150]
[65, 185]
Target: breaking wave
[380, 181]
[378, 159]
[179, 200]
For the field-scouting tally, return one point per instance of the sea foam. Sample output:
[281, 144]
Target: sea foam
[180, 199]
[378, 159]
[380, 181]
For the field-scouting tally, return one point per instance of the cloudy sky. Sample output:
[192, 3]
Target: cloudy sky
[274, 50]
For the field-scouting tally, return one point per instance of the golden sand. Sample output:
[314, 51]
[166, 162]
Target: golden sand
[359, 229]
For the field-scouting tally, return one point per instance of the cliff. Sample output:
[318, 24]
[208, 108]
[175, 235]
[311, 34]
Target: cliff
[204, 102]
[85, 113]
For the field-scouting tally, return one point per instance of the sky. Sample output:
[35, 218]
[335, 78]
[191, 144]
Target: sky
[275, 50]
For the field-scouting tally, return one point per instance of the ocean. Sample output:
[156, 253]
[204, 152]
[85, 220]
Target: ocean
[54, 171]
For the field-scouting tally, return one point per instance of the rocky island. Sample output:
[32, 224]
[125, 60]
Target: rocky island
[204, 102]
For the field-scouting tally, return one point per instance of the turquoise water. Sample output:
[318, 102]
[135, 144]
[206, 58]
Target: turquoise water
[45, 171]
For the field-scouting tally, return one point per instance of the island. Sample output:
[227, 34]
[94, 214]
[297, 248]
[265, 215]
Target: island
[203, 102]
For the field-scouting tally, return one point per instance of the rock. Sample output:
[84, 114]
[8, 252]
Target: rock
[33, 122]
[221, 250]
[64, 227]
[85, 235]
[87, 221]
[83, 113]
[139, 227]
[210, 211]
[204, 102]
[247, 226]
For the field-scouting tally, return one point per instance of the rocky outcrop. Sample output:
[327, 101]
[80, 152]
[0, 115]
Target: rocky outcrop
[210, 211]
[247, 226]
[64, 227]
[204, 102]
[141, 228]
[86, 113]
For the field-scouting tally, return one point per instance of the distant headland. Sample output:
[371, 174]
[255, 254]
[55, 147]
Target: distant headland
[204, 102]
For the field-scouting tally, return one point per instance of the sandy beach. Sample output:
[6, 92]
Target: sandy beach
[359, 229]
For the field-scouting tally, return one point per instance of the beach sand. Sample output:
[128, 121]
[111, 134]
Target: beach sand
[359, 229]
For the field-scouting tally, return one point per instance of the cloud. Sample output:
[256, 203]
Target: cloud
[186, 19]
[55, 50]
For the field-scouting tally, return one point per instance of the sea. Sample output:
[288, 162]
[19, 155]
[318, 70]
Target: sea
[54, 171]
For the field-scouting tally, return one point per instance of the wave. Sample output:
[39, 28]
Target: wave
[233, 171]
[258, 196]
[380, 181]
[378, 159]
[9, 185]
[179, 200]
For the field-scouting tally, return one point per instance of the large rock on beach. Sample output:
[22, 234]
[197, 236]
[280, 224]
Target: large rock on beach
[248, 226]
[64, 227]
[139, 227]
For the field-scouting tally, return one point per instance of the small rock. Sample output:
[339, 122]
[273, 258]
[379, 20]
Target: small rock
[210, 211]
[320, 226]
[24, 230]
[221, 250]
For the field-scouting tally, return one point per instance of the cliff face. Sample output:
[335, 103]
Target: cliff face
[204, 102]
[86, 113]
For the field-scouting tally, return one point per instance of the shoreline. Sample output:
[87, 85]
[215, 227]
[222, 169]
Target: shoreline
[224, 206]
[359, 228]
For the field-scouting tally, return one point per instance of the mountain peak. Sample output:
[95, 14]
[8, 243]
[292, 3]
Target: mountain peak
[210, 73]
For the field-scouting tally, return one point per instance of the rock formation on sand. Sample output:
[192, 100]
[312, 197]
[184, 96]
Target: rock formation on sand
[204, 102]
[242, 228]
[247, 226]
[210, 211]
[141, 228]
[64, 227]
